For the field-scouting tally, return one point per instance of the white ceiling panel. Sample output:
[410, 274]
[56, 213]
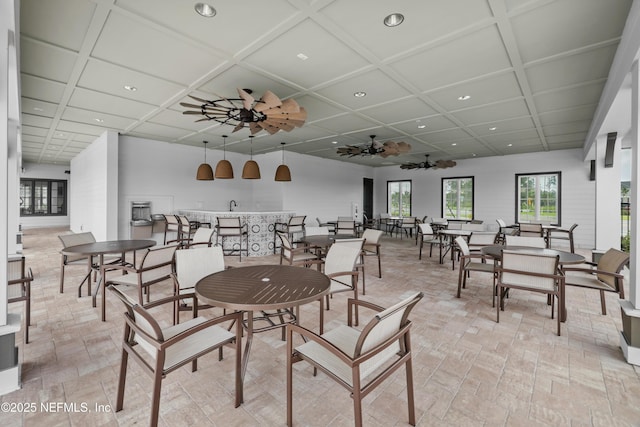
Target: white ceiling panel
[77, 56]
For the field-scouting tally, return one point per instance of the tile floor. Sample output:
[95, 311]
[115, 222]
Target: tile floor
[468, 369]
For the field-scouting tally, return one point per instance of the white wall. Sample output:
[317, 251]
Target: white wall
[494, 182]
[164, 174]
[93, 200]
[47, 171]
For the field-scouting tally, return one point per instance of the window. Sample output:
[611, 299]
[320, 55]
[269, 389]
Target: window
[538, 197]
[399, 198]
[40, 197]
[457, 198]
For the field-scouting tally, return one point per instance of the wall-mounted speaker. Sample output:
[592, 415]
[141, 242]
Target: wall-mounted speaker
[611, 144]
[592, 171]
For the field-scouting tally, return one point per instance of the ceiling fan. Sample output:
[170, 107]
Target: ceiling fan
[268, 113]
[389, 148]
[438, 164]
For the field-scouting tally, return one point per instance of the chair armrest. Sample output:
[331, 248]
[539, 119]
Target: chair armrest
[116, 267]
[312, 336]
[342, 273]
[351, 302]
[593, 271]
[235, 316]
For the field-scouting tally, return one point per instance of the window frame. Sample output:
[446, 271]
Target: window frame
[443, 196]
[35, 184]
[558, 175]
[400, 181]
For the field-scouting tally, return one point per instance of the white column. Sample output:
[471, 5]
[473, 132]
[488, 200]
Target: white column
[630, 336]
[607, 197]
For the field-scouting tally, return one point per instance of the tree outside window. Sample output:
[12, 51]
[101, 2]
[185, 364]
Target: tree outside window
[457, 198]
[399, 198]
[538, 198]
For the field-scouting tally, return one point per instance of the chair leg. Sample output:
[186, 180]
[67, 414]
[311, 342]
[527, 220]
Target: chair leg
[357, 402]
[62, 277]
[123, 377]
[290, 377]
[155, 398]
[603, 303]
[410, 399]
[420, 253]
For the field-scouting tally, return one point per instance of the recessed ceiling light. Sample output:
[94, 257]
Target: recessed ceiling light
[493, 128]
[393, 20]
[302, 56]
[473, 154]
[130, 88]
[37, 109]
[99, 120]
[421, 126]
[464, 97]
[205, 10]
[334, 142]
[454, 143]
[59, 134]
[360, 94]
[509, 145]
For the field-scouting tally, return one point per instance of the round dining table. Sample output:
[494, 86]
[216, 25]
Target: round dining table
[270, 289]
[100, 249]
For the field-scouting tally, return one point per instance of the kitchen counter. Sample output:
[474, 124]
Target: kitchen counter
[259, 224]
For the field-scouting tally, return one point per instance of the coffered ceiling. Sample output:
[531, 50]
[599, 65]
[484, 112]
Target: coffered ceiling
[533, 72]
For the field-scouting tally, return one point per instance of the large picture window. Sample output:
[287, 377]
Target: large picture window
[538, 197]
[457, 198]
[399, 198]
[39, 197]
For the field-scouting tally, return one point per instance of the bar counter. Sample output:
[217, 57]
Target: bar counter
[259, 224]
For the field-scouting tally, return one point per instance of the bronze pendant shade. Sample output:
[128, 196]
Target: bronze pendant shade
[251, 170]
[283, 173]
[204, 173]
[224, 170]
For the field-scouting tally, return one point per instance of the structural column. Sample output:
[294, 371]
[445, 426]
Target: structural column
[630, 335]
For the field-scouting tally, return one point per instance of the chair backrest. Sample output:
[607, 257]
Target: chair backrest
[462, 245]
[534, 242]
[296, 224]
[482, 239]
[172, 223]
[356, 243]
[472, 227]
[439, 221]
[316, 231]
[530, 229]
[143, 320]
[501, 223]
[409, 221]
[454, 225]
[384, 215]
[73, 240]
[372, 236]
[285, 244]
[16, 278]
[346, 227]
[202, 236]
[612, 261]
[185, 224]
[383, 327]
[157, 263]
[342, 258]
[345, 218]
[194, 264]
[425, 229]
[529, 270]
[229, 226]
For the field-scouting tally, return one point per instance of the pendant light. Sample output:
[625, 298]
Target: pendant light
[283, 173]
[224, 170]
[205, 173]
[251, 169]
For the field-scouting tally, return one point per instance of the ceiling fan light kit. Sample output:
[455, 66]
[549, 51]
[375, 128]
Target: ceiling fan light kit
[204, 173]
[268, 113]
[438, 164]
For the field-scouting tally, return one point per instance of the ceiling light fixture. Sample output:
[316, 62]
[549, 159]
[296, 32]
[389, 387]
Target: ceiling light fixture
[130, 88]
[509, 145]
[99, 120]
[224, 170]
[268, 113]
[205, 10]
[302, 56]
[454, 144]
[251, 170]
[283, 173]
[394, 20]
[422, 126]
[389, 148]
[464, 97]
[493, 128]
[204, 173]
[360, 94]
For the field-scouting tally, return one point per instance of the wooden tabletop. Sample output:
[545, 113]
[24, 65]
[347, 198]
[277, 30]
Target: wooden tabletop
[262, 287]
[108, 247]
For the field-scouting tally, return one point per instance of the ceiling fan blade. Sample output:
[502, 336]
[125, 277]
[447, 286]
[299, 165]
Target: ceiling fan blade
[238, 127]
[247, 99]
[204, 101]
[192, 112]
[254, 127]
[403, 147]
[268, 100]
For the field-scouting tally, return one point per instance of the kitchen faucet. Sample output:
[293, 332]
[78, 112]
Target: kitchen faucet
[232, 204]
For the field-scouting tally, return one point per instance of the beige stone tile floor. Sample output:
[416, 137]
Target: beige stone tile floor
[468, 369]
